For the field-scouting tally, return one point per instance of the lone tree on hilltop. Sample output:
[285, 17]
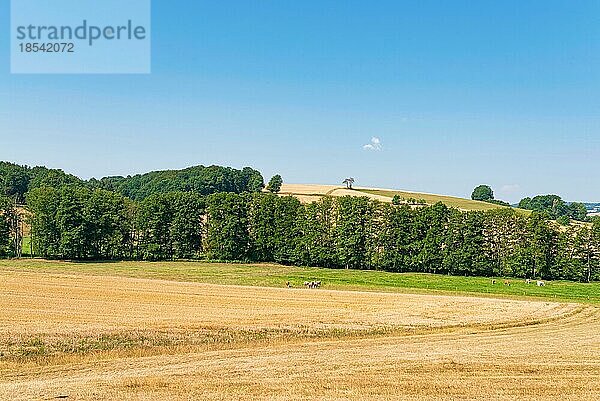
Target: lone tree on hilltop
[483, 193]
[348, 182]
[275, 184]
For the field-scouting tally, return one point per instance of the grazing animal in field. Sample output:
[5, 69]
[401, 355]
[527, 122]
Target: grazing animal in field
[528, 281]
[541, 283]
[493, 281]
[318, 284]
[288, 284]
[306, 284]
[507, 283]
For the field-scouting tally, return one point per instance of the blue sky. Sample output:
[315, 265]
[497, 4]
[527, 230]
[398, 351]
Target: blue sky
[458, 93]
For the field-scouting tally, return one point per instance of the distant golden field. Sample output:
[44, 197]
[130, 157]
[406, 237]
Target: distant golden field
[90, 336]
[313, 192]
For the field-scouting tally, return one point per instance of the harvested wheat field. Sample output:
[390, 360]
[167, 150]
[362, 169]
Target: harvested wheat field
[313, 192]
[307, 193]
[86, 337]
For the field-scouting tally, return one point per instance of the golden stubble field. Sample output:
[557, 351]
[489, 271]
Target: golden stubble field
[307, 193]
[107, 338]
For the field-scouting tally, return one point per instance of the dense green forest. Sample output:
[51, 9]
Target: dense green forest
[81, 223]
[16, 181]
[199, 179]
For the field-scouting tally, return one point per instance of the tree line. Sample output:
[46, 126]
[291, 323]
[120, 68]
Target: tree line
[555, 207]
[199, 179]
[84, 223]
[16, 181]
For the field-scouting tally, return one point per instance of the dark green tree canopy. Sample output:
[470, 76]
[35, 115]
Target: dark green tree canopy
[198, 179]
[577, 211]
[483, 193]
[275, 184]
[555, 207]
[16, 181]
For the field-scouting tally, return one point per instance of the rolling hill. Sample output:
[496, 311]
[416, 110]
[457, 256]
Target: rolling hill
[313, 192]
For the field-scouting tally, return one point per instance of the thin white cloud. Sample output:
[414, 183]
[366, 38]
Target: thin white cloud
[375, 144]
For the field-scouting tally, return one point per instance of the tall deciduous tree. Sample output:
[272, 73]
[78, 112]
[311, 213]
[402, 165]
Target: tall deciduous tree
[482, 193]
[353, 232]
[228, 237]
[541, 247]
[394, 239]
[430, 228]
[187, 224]
[316, 242]
[5, 207]
[275, 184]
[108, 225]
[43, 204]
[577, 211]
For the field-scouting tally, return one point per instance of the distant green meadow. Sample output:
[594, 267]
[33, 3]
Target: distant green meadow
[26, 246]
[271, 275]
